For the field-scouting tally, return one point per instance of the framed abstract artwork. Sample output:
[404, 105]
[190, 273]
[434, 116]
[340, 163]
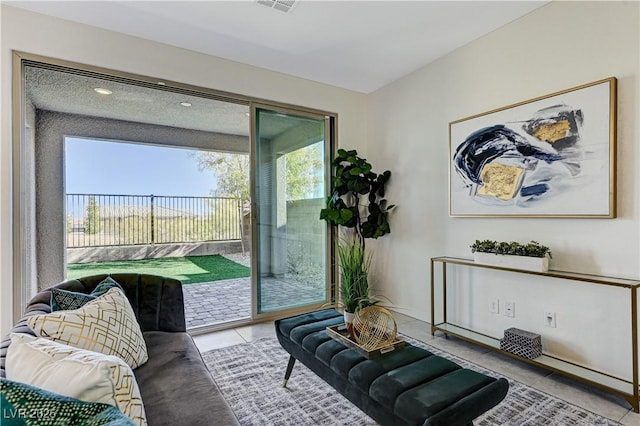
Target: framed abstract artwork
[552, 156]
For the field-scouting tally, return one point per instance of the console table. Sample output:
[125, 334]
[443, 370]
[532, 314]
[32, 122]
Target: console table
[627, 389]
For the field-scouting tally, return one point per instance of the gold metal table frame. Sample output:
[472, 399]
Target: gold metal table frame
[629, 390]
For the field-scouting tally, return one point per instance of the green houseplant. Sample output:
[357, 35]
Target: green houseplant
[530, 256]
[354, 265]
[357, 203]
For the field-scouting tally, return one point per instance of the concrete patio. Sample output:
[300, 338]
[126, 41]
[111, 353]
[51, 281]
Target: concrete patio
[229, 300]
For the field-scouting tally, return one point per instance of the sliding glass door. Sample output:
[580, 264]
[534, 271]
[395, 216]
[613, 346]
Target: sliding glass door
[292, 271]
[283, 156]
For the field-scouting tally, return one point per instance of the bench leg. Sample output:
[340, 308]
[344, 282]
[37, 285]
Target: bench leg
[287, 374]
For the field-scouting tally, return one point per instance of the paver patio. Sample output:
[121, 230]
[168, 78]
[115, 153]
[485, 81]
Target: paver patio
[222, 301]
[229, 300]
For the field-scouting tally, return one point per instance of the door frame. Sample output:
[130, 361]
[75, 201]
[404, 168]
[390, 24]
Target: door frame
[20, 278]
[330, 134]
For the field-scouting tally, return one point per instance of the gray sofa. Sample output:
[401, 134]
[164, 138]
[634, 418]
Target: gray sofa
[175, 384]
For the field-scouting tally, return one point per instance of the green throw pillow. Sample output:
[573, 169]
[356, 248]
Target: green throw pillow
[22, 404]
[64, 300]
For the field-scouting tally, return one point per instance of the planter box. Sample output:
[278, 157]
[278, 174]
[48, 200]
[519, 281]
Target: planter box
[536, 264]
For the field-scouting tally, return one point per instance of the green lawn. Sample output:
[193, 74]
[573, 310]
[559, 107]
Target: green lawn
[189, 270]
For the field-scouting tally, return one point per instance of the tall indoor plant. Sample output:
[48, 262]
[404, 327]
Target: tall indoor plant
[358, 204]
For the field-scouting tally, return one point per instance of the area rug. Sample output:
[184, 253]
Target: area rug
[250, 377]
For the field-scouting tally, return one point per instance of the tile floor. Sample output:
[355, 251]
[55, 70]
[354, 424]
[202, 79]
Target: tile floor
[593, 399]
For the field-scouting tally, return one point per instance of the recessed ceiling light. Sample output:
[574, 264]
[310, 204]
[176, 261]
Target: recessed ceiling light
[103, 91]
[185, 104]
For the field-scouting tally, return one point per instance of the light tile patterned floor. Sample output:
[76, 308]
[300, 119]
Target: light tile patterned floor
[222, 301]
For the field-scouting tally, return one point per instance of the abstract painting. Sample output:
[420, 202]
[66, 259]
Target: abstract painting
[552, 156]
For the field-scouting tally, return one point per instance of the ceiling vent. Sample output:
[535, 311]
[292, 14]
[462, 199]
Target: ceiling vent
[281, 5]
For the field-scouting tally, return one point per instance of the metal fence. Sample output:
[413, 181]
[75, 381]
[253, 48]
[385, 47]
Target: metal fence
[97, 220]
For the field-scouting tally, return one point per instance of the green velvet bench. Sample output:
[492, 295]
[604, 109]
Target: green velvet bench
[410, 386]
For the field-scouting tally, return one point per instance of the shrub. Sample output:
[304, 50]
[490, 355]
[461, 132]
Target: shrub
[531, 249]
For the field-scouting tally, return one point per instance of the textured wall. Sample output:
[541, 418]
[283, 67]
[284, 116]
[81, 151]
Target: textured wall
[101, 254]
[305, 231]
[30, 272]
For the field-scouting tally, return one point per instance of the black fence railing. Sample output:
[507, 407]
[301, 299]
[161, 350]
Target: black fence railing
[96, 220]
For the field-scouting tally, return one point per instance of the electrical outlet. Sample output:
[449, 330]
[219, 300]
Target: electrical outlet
[494, 306]
[550, 319]
[509, 309]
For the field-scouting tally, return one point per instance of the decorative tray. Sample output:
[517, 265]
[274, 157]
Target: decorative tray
[339, 332]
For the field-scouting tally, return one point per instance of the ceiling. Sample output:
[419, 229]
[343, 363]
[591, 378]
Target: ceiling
[75, 94]
[356, 45]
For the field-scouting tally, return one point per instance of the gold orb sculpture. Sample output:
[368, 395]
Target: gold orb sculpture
[374, 327]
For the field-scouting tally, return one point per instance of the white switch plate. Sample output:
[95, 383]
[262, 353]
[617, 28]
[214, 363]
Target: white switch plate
[494, 306]
[550, 319]
[509, 309]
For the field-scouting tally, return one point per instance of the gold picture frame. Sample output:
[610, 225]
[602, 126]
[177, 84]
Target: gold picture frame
[551, 156]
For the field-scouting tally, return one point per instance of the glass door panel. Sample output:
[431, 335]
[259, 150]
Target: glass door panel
[289, 191]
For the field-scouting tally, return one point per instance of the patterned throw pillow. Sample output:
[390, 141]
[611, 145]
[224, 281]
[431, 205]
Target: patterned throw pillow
[106, 325]
[62, 300]
[66, 300]
[23, 404]
[76, 373]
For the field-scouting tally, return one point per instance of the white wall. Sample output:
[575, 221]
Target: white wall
[561, 45]
[42, 35]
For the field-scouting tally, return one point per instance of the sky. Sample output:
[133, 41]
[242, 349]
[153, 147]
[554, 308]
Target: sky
[104, 167]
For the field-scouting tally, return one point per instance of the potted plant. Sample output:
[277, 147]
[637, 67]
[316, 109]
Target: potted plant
[358, 204]
[532, 256]
[354, 288]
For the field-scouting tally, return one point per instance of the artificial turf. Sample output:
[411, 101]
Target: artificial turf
[189, 270]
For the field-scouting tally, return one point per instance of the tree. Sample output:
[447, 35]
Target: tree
[232, 172]
[92, 221]
[69, 223]
[352, 181]
[302, 168]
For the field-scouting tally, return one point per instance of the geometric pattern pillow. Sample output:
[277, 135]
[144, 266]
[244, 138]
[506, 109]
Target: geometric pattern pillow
[76, 373]
[23, 404]
[105, 285]
[106, 325]
[67, 300]
[62, 300]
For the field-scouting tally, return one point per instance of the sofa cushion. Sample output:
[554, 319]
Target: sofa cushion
[77, 373]
[25, 404]
[107, 325]
[62, 300]
[176, 385]
[157, 302]
[66, 300]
